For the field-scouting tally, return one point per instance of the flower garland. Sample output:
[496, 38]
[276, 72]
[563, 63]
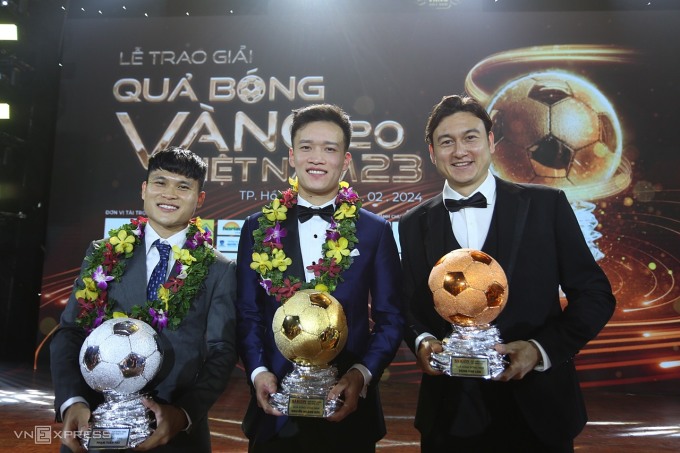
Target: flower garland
[270, 261]
[107, 263]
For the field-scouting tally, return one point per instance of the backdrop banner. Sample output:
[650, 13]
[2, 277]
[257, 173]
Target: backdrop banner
[586, 102]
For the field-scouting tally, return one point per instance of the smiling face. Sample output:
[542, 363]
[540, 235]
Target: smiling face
[170, 201]
[319, 158]
[461, 150]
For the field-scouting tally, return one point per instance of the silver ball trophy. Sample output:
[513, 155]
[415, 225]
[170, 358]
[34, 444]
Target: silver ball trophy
[119, 358]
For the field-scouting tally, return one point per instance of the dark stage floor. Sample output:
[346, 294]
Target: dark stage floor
[619, 422]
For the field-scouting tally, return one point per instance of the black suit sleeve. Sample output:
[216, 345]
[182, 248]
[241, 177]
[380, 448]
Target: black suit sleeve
[590, 302]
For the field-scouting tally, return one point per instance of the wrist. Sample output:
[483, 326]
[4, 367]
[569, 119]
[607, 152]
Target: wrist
[539, 360]
[428, 342]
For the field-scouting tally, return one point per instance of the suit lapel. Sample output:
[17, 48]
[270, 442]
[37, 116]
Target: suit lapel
[439, 239]
[291, 245]
[512, 209]
[132, 288]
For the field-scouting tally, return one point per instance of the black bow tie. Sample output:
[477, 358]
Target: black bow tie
[305, 213]
[476, 201]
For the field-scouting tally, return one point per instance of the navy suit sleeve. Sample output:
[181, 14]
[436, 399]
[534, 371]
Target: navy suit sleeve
[386, 305]
[251, 324]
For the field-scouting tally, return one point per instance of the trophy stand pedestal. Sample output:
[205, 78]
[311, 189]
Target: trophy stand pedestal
[469, 352]
[304, 392]
[121, 422]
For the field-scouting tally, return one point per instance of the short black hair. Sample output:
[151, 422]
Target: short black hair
[452, 104]
[322, 112]
[180, 161]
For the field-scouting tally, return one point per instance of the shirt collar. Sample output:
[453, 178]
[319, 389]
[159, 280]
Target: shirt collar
[487, 188]
[150, 237]
[307, 204]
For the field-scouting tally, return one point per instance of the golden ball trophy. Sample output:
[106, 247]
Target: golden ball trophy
[310, 330]
[469, 290]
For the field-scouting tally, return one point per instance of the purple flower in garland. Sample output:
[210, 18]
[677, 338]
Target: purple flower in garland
[332, 233]
[198, 239]
[203, 237]
[159, 319]
[191, 243]
[99, 319]
[139, 223]
[267, 285]
[100, 277]
[346, 194]
[274, 234]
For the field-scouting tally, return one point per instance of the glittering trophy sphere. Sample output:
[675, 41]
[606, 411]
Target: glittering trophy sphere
[119, 358]
[310, 330]
[469, 290]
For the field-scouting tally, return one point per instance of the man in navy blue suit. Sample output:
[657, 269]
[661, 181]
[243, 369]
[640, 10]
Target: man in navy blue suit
[531, 230]
[318, 250]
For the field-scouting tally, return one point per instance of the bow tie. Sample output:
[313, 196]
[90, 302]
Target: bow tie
[478, 200]
[305, 213]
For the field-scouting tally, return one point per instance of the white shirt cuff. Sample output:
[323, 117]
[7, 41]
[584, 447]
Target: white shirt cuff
[367, 377]
[422, 337]
[546, 360]
[186, 430]
[70, 402]
[256, 371]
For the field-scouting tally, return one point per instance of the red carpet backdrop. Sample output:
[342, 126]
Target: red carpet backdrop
[584, 101]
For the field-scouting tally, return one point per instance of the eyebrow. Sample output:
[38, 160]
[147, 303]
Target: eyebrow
[465, 132]
[327, 142]
[187, 181]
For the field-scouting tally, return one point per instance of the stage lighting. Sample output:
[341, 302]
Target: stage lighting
[4, 111]
[8, 32]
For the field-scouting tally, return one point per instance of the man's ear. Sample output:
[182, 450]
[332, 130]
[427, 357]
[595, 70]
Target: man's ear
[291, 160]
[201, 199]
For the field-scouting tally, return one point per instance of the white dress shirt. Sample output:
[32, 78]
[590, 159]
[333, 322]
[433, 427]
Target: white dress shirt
[152, 255]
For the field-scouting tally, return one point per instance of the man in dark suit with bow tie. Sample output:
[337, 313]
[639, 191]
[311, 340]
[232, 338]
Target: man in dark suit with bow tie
[320, 136]
[200, 352]
[535, 404]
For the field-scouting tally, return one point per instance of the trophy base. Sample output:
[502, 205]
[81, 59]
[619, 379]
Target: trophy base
[468, 352]
[304, 392]
[121, 422]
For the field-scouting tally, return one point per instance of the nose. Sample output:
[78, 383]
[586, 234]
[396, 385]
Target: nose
[169, 192]
[460, 150]
[316, 156]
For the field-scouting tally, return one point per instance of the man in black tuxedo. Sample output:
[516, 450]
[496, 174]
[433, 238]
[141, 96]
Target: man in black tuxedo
[200, 353]
[536, 403]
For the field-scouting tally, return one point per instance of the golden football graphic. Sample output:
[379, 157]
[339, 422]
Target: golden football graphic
[310, 328]
[469, 287]
[557, 129]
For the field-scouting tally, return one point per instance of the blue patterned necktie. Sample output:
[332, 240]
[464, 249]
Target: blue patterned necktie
[159, 272]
